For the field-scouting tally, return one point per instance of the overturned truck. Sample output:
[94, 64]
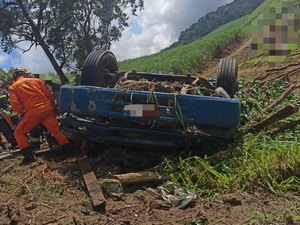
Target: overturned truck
[149, 109]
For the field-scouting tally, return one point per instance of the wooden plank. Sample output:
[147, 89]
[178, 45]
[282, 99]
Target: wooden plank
[4, 156]
[282, 113]
[12, 153]
[141, 177]
[91, 183]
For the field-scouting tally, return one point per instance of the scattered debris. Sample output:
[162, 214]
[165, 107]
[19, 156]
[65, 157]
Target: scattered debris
[271, 107]
[165, 86]
[290, 125]
[30, 206]
[282, 113]
[113, 188]
[6, 169]
[91, 183]
[141, 177]
[177, 197]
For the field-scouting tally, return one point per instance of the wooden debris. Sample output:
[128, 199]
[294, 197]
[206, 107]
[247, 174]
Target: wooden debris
[53, 220]
[290, 125]
[141, 177]
[4, 156]
[152, 192]
[91, 183]
[271, 107]
[296, 63]
[282, 113]
[6, 169]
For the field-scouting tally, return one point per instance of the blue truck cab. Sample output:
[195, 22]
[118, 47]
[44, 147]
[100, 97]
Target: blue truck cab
[96, 110]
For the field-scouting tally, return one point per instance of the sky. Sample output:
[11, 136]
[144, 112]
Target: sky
[156, 27]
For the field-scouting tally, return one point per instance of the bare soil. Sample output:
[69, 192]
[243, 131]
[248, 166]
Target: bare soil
[53, 193]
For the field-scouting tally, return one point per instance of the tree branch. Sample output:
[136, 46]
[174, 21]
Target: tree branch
[40, 16]
[282, 113]
[270, 107]
[290, 125]
[29, 48]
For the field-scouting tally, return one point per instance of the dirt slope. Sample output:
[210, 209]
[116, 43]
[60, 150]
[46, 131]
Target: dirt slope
[53, 193]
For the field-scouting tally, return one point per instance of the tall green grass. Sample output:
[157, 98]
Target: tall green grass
[191, 57]
[258, 163]
[254, 161]
[186, 58]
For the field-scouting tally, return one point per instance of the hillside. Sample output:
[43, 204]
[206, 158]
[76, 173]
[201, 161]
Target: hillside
[190, 58]
[252, 180]
[213, 20]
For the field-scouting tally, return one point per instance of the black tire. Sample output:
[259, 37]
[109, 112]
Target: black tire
[227, 75]
[98, 68]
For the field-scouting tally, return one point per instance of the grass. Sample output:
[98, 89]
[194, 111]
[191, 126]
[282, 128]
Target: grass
[258, 163]
[254, 161]
[289, 215]
[7, 179]
[183, 59]
[191, 57]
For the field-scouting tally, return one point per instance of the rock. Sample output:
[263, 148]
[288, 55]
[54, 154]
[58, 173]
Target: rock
[31, 206]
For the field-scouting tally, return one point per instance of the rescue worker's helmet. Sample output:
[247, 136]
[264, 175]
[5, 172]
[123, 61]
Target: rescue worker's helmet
[18, 72]
[26, 71]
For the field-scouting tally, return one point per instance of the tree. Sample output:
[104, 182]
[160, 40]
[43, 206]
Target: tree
[66, 30]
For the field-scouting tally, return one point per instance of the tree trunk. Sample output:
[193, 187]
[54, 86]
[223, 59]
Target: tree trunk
[40, 40]
[59, 71]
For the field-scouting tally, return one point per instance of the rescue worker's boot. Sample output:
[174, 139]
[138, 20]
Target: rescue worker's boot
[13, 144]
[68, 147]
[36, 145]
[29, 156]
[2, 145]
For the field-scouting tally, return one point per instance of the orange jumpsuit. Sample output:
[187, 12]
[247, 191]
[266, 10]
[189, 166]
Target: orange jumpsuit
[30, 98]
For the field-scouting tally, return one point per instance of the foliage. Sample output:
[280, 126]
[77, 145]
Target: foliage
[254, 98]
[213, 20]
[289, 215]
[258, 162]
[254, 161]
[185, 59]
[5, 77]
[66, 30]
[191, 57]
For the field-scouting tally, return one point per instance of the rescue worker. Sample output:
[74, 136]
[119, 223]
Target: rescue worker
[36, 133]
[34, 103]
[3, 91]
[7, 120]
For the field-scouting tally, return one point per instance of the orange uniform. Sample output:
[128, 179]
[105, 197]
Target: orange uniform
[30, 98]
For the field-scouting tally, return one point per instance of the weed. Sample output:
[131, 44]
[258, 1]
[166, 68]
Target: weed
[258, 162]
[289, 215]
[8, 179]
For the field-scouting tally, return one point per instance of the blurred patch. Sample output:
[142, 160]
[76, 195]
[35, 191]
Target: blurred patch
[277, 31]
[141, 110]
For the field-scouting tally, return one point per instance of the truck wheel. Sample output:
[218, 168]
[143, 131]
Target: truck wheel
[99, 68]
[227, 75]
